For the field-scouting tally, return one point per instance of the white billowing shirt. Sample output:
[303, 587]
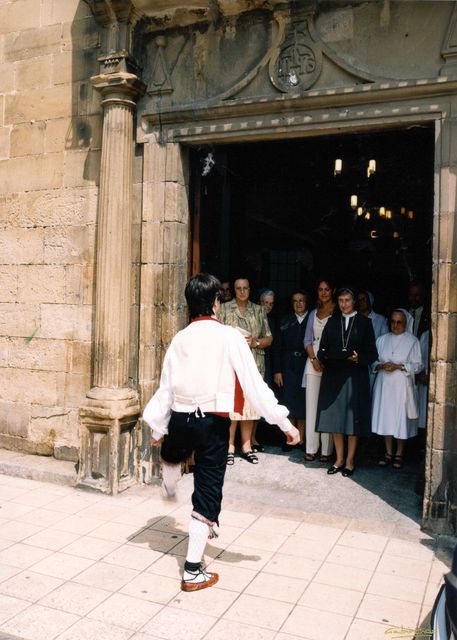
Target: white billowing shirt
[199, 371]
[389, 416]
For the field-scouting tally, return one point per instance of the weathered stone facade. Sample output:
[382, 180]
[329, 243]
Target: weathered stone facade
[86, 314]
[50, 139]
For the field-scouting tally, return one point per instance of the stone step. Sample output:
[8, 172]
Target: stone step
[42, 468]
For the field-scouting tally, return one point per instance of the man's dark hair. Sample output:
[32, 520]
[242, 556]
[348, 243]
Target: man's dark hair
[201, 291]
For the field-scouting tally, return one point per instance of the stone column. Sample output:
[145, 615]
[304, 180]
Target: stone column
[110, 414]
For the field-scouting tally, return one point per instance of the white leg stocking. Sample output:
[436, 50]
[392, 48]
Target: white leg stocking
[171, 473]
[198, 535]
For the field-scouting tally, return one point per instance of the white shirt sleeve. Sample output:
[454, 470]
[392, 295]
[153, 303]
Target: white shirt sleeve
[158, 410]
[259, 394]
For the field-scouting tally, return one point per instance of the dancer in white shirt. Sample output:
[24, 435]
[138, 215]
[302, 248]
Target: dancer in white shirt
[207, 369]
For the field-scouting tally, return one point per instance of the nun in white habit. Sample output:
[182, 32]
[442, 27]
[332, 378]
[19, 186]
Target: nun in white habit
[395, 409]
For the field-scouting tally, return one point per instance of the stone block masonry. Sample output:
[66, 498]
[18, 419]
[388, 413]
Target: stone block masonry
[50, 136]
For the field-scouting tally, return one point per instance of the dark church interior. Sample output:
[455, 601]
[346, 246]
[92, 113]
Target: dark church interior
[357, 208]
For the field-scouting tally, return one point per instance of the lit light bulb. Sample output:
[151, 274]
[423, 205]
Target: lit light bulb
[359, 211]
[354, 201]
[382, 212]
[403, 211]
[338, 167]
[410, 215]
[389, 214]
[367, 215]
[371, 168]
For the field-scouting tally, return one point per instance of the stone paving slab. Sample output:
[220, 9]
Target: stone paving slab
[80, 566]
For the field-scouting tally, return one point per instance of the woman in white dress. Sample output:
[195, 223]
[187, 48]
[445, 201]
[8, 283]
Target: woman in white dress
[395, 409]
[313, 373]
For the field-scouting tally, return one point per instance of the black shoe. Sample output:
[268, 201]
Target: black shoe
[257, 448]
[249, 456]
[347, 473]
[332, 470]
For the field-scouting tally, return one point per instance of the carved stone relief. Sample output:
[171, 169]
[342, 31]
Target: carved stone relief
[297, 63]
[160, 82]
[291, 51]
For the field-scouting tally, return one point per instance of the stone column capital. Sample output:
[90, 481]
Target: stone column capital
[121, 87]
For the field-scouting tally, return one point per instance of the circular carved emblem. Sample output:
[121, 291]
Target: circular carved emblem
[296, 66]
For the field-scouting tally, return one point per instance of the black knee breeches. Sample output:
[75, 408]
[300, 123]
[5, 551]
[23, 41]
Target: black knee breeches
[208, 437]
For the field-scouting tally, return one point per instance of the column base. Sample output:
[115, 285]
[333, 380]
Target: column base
[109, 434]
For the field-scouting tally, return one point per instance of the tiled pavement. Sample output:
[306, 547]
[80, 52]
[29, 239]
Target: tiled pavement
[80, 566]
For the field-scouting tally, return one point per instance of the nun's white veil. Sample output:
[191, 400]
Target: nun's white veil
[409, 319]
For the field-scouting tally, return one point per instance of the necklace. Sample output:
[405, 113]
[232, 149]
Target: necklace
[351, 324]
[395, 344]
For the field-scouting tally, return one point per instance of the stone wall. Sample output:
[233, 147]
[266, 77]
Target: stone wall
[50, 130]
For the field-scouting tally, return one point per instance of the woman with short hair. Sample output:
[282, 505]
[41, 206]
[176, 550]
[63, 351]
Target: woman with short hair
[290, 357]
[346, 350]
[252, 321]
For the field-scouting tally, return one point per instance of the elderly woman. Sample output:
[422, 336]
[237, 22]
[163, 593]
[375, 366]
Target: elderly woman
[346, 350]
[395, 409]
[289, 358]
[267, 302]
[252, 321]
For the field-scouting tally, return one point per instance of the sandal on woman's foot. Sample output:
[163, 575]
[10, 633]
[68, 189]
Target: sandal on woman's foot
[230, 459]
[384, 462]
[325, 458]
[257, 448]
[250, 457]
[397, 462]
[309, 457]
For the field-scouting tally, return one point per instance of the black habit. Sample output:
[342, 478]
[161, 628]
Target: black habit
[344, 404]
[289, 358]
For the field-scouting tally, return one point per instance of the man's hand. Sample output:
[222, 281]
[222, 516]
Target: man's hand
[422, 378]
[278, 379]
[292, 436]
[156, 443]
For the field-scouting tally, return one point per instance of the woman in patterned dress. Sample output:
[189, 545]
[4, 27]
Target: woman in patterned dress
[252, 321]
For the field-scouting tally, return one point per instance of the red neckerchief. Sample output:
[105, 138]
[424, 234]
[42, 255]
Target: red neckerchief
[238, 404]
[205, 318]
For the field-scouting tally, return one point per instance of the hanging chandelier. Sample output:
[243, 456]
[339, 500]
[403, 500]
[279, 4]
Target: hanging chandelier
[367, 210]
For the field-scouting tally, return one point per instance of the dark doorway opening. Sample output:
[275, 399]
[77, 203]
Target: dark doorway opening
[283, 214]
[280, 212]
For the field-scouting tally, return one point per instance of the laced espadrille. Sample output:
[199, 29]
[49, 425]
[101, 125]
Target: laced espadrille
[200, 579]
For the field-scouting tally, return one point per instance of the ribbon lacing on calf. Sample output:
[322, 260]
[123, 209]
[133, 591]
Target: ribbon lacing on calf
[212, 534]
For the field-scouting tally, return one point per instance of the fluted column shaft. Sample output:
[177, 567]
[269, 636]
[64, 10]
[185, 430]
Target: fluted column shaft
[112, 306]
[113, 285]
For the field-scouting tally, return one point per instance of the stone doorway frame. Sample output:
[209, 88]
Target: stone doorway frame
[166, 224]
